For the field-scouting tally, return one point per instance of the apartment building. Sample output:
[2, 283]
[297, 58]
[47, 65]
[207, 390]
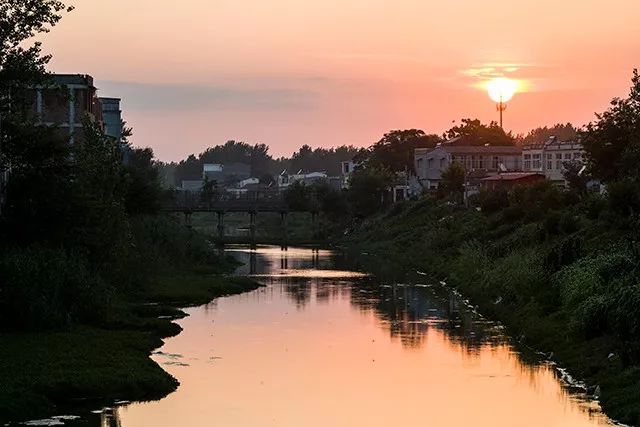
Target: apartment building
[549, 157]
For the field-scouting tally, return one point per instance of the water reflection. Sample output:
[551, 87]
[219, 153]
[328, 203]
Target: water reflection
[322, 345]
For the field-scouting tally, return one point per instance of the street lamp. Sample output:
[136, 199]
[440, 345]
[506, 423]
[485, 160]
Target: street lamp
[501, 90]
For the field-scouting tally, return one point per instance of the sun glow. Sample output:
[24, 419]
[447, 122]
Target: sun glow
[502, 89]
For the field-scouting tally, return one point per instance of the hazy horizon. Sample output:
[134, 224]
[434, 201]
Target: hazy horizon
[326, 74]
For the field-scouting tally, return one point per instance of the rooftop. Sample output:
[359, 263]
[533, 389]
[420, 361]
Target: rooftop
[497, 149]
[512, 176]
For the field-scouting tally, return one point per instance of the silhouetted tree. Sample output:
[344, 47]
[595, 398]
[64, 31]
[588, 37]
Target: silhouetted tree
[452, 183]
[564, 132]
[612, 142]
[395, 151]
[473, 132]
[367, 188]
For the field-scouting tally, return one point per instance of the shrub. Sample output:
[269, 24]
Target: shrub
[47, 288]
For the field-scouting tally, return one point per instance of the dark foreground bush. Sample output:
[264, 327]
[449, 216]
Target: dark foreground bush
[48, 288]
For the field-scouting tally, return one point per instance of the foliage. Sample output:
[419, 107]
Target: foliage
[612, 143]
[564, 132]
[395, 151]
[143, 186]
[453, 180]
[474, 132]
[367, 188]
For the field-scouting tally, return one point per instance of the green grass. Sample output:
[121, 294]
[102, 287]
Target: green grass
[41, 372]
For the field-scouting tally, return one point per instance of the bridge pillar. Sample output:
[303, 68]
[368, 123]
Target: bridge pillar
[187, 219]
[285, 229]
[220, 224]
[314, 224]
[252, 226]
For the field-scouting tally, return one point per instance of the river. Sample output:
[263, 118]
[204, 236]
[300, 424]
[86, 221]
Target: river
[321, 345]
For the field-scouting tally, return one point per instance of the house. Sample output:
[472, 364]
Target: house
[478, 161]
[549, 157]
[285, 179]
[508, 180]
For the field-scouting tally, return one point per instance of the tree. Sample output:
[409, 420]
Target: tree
[473, 132]
[453, 179]
[367, 188]
[564, 132]
[577, 178]
[297, 197]
[22, 65]
[612, 142]
[395, 151]
[143, 185]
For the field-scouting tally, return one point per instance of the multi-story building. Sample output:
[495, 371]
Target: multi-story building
[66, 101]
[549, 157]
[477, 160]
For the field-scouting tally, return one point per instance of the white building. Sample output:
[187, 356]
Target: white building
[285, 179]
[550, 156]
[482, 160]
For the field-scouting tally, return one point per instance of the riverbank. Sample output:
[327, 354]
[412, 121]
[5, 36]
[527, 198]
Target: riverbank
[560, 277]
[42, 373]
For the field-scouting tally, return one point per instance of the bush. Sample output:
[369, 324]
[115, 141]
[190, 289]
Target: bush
[46, 288]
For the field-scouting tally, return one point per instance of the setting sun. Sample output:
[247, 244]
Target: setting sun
[502, 89]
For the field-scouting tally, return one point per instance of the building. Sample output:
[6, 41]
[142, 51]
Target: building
[508, 180]
[477, 160]
[550, 156]
[285, 179]
[226, 175]
[66, 101]
[112, 117]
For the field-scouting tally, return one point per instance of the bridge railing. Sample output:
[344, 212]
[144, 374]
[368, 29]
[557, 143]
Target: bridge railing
[252, 201]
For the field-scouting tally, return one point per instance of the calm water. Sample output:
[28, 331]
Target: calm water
[321, 346]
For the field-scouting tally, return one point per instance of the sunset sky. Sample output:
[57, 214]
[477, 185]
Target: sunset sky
[195, 73]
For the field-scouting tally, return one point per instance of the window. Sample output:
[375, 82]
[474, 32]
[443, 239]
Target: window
[443, 163]
[549, 164]
[474, 162]
[345, 166]
[418, 166]
[549, 156]
[567, 156]
[481, 162]
[430, 163]
[558, 156]
[577, 155]
[526, 157]
[527, 165]
[559, 164]
[537, 162]
[495, 161]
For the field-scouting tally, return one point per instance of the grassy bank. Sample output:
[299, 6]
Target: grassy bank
[91, 365]
[77, 343]
[559, 271]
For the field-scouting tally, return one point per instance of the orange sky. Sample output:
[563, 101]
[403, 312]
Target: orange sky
[196, 73]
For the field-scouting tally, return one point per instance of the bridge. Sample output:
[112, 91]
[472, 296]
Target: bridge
[251, 204]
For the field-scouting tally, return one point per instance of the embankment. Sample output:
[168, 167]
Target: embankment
[560, 272]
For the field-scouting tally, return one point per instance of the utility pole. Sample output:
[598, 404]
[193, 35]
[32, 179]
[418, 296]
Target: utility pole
[501, 107]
